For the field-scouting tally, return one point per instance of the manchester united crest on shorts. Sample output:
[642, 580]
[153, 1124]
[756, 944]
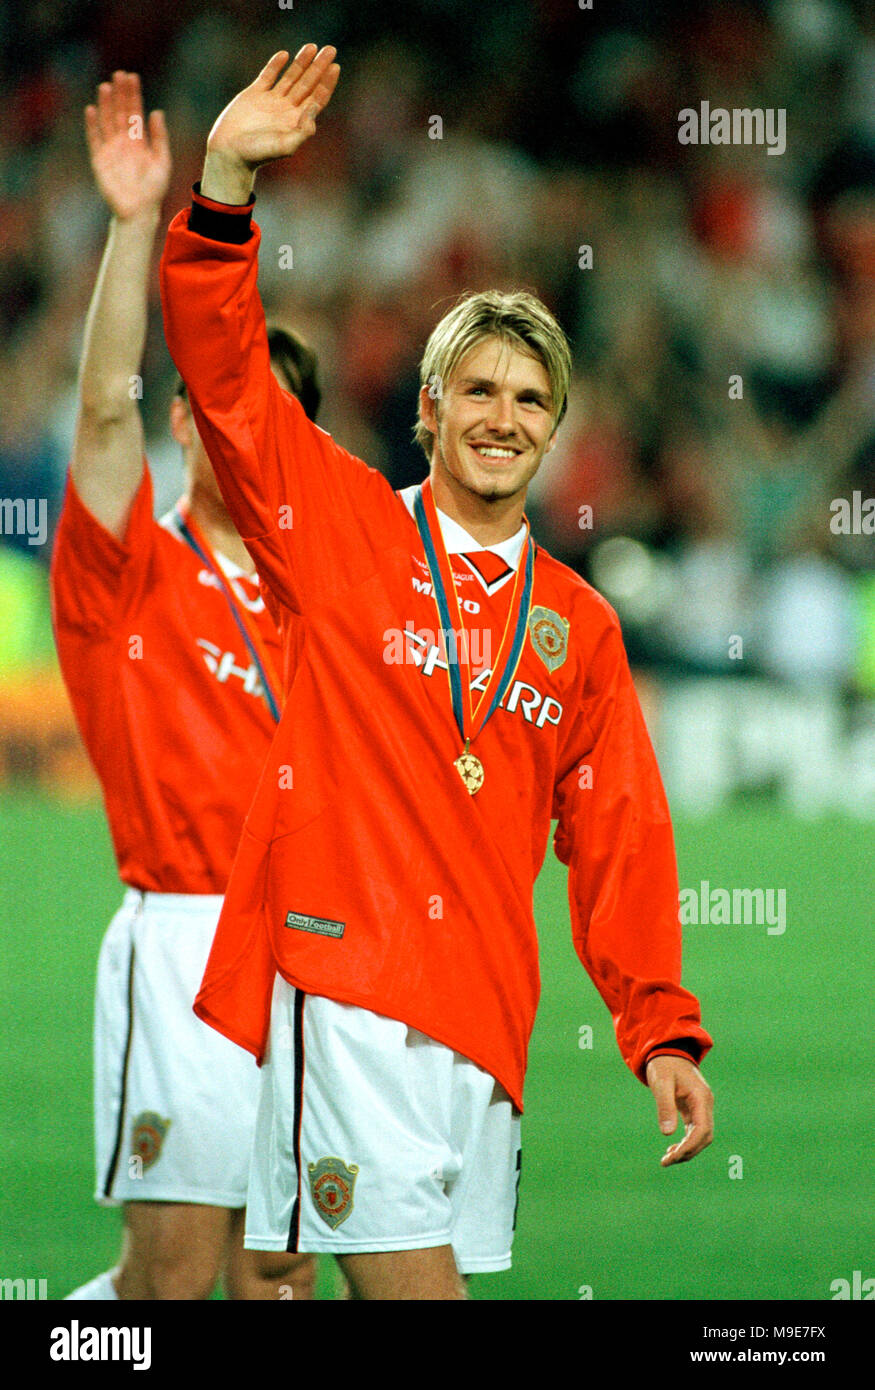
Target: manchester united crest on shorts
[549, 634]
[331, 1187]
[147, 1137]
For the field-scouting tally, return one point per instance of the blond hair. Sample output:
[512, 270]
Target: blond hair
[519, 319]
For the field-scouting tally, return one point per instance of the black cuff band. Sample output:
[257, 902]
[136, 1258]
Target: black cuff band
[690, 1046]
[231, 227]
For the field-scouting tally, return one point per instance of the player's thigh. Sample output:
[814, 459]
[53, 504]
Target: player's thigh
[404, 1274]
[173, 1249]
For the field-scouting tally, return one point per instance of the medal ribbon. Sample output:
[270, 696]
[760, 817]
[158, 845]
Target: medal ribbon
[466, 714]
[194, 537]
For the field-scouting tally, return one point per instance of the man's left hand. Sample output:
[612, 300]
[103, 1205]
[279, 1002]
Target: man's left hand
[678, 1085]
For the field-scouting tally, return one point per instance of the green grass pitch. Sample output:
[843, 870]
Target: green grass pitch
[792, 1015]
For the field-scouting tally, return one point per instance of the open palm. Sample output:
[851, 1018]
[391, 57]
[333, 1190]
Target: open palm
[130, 157]
[277, 112]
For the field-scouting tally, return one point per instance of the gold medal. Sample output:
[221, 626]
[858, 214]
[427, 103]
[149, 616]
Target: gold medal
[470, 770]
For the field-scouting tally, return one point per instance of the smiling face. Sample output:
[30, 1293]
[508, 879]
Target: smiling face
[492, 426]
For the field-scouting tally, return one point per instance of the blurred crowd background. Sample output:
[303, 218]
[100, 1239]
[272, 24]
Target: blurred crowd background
[711, 528]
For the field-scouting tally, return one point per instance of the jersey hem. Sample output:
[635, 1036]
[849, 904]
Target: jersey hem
[359, 1002]
[234, 1036]
[174, 902]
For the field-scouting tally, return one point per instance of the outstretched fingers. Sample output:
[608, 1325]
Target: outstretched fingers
[117, 102]
[304, 90]
[322, 95]
[158, 137]
[116, 119]
[104, 123]
[92, 130]
[273, 67]
[132, 97]
[303, 59]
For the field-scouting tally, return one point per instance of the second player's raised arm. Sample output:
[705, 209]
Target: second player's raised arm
[107, 458]
[130, 160]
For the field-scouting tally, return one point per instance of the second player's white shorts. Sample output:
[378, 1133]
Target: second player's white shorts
[371, 1136]
[175, 1102]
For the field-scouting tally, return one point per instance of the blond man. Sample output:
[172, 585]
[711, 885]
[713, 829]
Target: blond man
[457, 688]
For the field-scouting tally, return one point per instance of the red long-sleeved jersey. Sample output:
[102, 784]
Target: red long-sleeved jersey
[366, 872]
[166, 696]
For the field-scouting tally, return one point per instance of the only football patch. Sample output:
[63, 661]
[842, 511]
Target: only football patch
[332, 1183]
[323, 926]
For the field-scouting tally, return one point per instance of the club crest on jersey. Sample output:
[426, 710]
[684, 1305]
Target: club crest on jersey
[332, 1183]
[549, 634]
[147, 1137]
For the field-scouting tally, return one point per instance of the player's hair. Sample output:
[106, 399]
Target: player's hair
[296, 361]
[519, 319]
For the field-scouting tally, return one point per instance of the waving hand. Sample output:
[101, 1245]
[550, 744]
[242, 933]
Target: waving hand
[130, 156]
[277, 112]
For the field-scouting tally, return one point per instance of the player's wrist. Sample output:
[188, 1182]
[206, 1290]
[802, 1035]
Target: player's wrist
[145, 219]
[226, 178]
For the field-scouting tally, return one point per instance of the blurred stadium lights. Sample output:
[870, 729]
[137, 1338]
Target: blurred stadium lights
[636, 580]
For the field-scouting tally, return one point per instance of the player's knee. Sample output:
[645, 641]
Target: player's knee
[181, 1281]
[263, 1274]
[297, 1279]
[404, 1274]
[166, 1272]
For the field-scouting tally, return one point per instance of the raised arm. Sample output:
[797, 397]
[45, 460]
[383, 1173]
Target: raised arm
[130, 159]
[309, 513]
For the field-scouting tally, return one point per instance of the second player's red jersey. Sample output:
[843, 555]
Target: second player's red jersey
[167, 697]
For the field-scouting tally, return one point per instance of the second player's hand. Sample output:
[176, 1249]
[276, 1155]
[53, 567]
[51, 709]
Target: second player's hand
[678, 1085]
[130, 156]
[275, 114]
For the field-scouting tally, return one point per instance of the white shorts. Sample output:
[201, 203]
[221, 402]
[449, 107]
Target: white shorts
[174, 1101]
[371, 1136]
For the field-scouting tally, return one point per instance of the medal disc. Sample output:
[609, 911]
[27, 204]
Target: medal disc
[471, 771]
